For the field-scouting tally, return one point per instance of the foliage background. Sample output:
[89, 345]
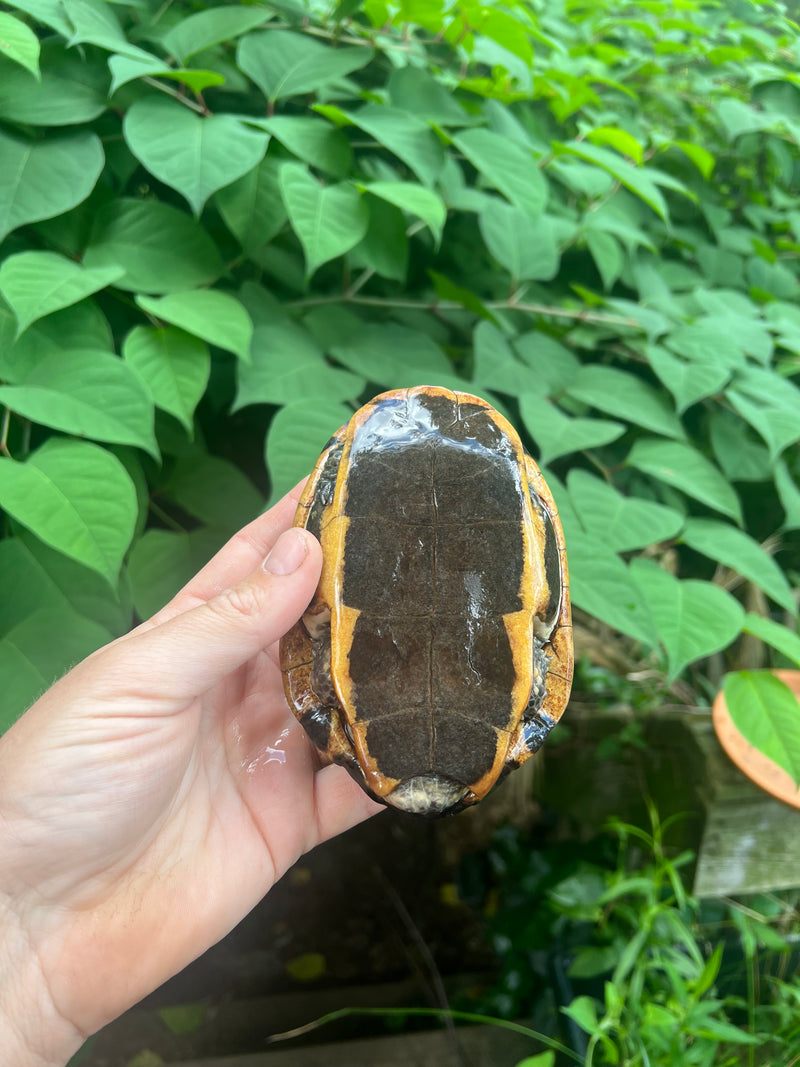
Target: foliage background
[225, 227]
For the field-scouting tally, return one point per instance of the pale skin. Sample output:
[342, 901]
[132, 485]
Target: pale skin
[154, 794]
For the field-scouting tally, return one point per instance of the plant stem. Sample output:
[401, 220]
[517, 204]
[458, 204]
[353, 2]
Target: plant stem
[454, 305]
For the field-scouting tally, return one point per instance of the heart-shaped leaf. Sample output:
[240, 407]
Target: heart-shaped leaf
[174, 364]
[159, 248]
[296, 436]
[40, 179]
[87, 393]
[526, 247]
[509, 167]
[694, 618]
[679, 465]
[34, 284]
[328, 220]
[217, 317]
[193, 154]
[283, 63]
[623, 522]
[55, 495]
[734, 548]
[19, 43]
[557, 434]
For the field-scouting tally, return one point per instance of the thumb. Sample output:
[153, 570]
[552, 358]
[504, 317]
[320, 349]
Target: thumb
[185, 656]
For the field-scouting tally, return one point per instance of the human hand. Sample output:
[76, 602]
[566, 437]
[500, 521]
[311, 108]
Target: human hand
[155, 793]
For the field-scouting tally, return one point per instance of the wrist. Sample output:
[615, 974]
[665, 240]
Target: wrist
[32, 1031]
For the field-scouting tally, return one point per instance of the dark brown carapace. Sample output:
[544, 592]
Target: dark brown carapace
[437, 652]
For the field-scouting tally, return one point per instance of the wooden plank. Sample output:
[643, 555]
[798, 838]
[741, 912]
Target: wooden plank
[744, 839]
[476, 1046]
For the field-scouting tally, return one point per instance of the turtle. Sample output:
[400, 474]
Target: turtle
[436, 653]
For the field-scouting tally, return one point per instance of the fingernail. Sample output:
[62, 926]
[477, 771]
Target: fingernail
[287, 554]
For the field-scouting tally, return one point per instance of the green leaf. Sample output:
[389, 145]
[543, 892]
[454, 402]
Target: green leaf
[772, 633]
[508, 166]
[622, 522]
[55, 495]
[83, 323]
[328, 220]
[311, 139]
[682, 466]
[193, 154]
[215, 491]
[34, 284]
[406, 136]
[70, 90]
[49, 12]
[701, 157]
[217, 317]
[70, 584]
[184, 1018]
[43, 178]
[688, 382]
[789, 496]
[252, 207]
[296, 436]
[601, 584]
[283, 63]
[622, 141]
[19, 43]
[770, 404]
[416, 200]
[38, 650]
[125, 69]
[553, 364]
[393, 356]
[414, 89]
[384, 247]
[162, 562]
[86, 393]
[766, 713]
[94, 22]
[708, 342]
[584, 1011]
[527, 248]
[496, 366]
[607, 256]
[626, 396]
[287, 365]
[557, 434]
[734, 548]
[693, 618]
[741, 458]
[637, 179]
[214, 26]
[159, 248]
[174, 365]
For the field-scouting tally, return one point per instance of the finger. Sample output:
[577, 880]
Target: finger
[190, 653]
[235, 560]
[340, 803]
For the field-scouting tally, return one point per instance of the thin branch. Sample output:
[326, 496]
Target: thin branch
[453, 305]
[176, 94]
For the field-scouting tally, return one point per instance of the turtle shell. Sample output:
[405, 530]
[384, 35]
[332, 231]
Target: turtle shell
[436, 653]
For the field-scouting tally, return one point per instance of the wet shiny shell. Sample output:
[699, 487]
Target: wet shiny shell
[437, 652]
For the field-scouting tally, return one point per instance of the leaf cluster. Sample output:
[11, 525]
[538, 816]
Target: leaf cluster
[226, 226]
[647, 974]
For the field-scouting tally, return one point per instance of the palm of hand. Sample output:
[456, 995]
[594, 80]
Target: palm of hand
[150, 813]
